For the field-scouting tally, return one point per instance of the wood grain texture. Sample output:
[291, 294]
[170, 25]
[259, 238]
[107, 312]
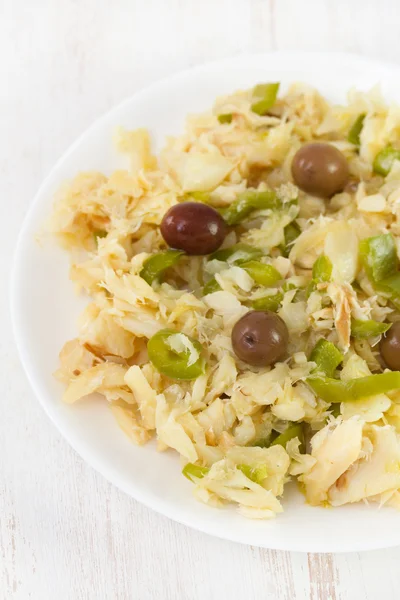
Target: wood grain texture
[65, 532]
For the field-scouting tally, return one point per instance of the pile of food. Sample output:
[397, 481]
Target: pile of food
[245, 297]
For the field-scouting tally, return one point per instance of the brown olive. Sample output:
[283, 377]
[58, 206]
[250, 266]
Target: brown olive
[193, 227]
[260, 338]
[320, 169]
[390, 347]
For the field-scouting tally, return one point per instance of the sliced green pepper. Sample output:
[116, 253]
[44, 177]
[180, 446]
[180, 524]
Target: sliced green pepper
[333, 390]
[365, 329]
[271, 303]
[155, 265]
[225, 118]
[327, 357]
[264, 97]
[237, 254]
[257, 473]
[291, 432]
[384, 160]
[379, 256]
[171, 363]
[356, 128]
[247, 202]
[210, 287]
[321, 272]
[391, 287]
[190, 471]
[262, 274]
[291, 232]
[288, 286]
[198, 197]
[322, 269]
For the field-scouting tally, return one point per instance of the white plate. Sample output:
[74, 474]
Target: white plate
[45, 309]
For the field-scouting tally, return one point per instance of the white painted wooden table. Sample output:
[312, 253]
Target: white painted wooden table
[65, 533]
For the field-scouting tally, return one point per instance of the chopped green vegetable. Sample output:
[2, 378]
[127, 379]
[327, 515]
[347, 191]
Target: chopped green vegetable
[262, 274]
[365, 329]
[333, 390]
[264, 97]
[172, 363]
[384, 160]
[247, 202]
[288, 286]
[291, 232]
[379, 256]
[271, 303]
[237, 254]
[257, 473]
[155, 265]
[291, 432]
[211, 287]
[391, 287]
[198, 197]
[327, 357]
[225, 118]
[321, 272]
[356, 128]
[322, 269]
[190, 471]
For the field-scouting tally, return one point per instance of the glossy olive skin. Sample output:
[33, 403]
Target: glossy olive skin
[320, 169]
[390, 347]
[194, 228]
[260, 338]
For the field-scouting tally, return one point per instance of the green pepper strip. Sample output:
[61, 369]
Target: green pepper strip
[197, 197]
[170, 363]
[271, 303]
[237, 254]
[264, 97]
[327, 357]
[155, 265]
[225, 118]
[248, 202]
[262, 274]
[379, 258]
[191, 470]
[334, 391]
[211, 287]
[322, 269]
[321, 272]
[365, 329]
[384, 160]
[291, 232]
[356, 128]
[291, 432]
[257, 473]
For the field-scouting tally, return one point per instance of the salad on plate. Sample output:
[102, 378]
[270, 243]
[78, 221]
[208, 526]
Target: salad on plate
[244, 297]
